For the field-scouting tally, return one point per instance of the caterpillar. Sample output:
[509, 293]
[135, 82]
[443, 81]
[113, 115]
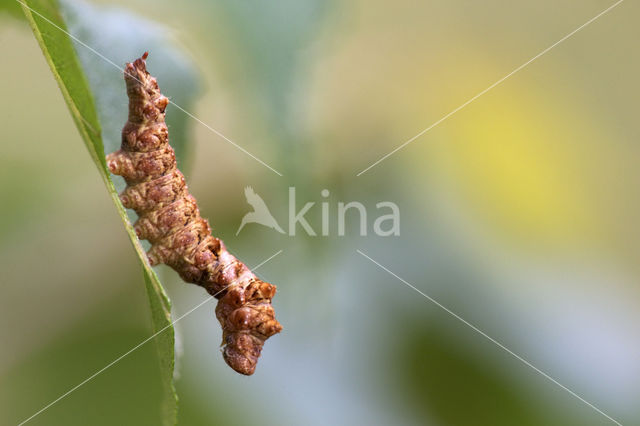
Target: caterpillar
[169, 218]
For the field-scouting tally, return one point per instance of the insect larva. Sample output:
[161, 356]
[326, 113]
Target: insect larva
[170, 219]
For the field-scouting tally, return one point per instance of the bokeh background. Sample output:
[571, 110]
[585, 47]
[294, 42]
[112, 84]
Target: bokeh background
[519, 213]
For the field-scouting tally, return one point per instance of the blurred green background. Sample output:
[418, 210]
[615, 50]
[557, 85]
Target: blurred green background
[519, 213]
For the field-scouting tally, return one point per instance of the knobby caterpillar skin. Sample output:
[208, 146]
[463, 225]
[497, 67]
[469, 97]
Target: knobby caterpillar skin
[170, 219]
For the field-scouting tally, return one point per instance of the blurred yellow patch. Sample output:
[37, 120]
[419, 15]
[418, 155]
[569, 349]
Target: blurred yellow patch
[521, 160]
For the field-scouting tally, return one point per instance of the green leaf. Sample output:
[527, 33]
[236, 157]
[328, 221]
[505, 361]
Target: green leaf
[11, 7]
[94, 91]
[120, 37]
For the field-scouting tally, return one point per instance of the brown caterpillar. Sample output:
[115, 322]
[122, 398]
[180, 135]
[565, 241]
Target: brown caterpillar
[170, 219]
